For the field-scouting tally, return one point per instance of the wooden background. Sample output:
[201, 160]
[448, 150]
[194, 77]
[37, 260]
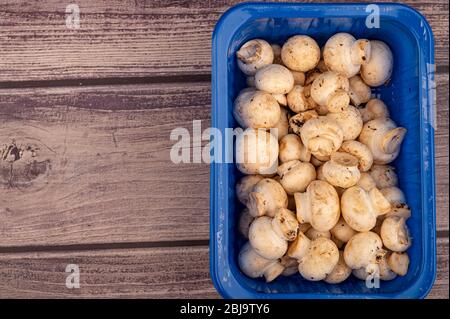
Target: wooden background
[93, 108]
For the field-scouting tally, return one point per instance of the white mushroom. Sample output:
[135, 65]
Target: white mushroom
[340, 272]
[297, 101]
[292, 148]
[274, 79]
[281, 99]
[300, 53]
[350, 121]
[290, 265]
[342, 231]
[297, 121]
[245, 186]
[321, 177]
[373, 109]
[360, 208]
[245, 220]
[295, 175]
[322, 136]
[320, 259]
[285, 224]
[330, 89]
[394, 195]
[266, 197]
[318, 206]
[344, 54]
[276, 54]
[399, 263]
[256, 152]
[283, 124]
[250, 81]
[256, 109]
[341, 170]
[384, 176]
[312, 234]
[299, 247]
[299, 77]
[366, 182]
[395, 234]
[378, 69]
[264, 240]
[361, 152]
[363, 249]
[383, 138]
[317, 163]
[254, 266]
[253, 55]
[359, 91]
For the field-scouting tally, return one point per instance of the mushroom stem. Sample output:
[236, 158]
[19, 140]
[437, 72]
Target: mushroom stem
[338, 101]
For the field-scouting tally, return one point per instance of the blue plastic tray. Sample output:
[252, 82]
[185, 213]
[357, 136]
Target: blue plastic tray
[410, 97]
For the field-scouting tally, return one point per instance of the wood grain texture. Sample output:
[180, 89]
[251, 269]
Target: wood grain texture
[181, 272]
[137, 273]
[101, 172]
[130, 38]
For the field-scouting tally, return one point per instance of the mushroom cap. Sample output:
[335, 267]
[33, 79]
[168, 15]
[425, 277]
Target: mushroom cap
[342, 231]
[245, 185]
[312, 234]
[264, 240]
[283, 124]
[378, 69]
[366, 182]
[399, 210]
[341, 170]
[253, 55]
[295, 176]
[252, 264]
[330, 89]
[395, 234]
[297, 100]
[296, 122]
[359, 91]
[319, 206]
[361, 208]
[299, 77]
[384, 175]
[292, 148]
[245, 220]
[340, 272]
[256, 109]
[256, 152]
[343, 54]
[361, 152]
[362, 249]
[394, 195]
[383, 138]
[285, 224]
[299, 247]
[266, 197]
[373, 109]
[399, 263]
[274, 79]
[350, 121]
[386, 272]
[300, 53]
[322, 136]
[320, 259]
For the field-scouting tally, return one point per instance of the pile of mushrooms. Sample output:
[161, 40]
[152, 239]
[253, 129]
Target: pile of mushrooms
[320, 196]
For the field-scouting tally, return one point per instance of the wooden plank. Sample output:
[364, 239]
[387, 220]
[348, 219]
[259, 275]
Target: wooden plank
[102, 171]
[181, 272]
[440, 289]
[136, 273]
[441, 152]
[130, 38]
